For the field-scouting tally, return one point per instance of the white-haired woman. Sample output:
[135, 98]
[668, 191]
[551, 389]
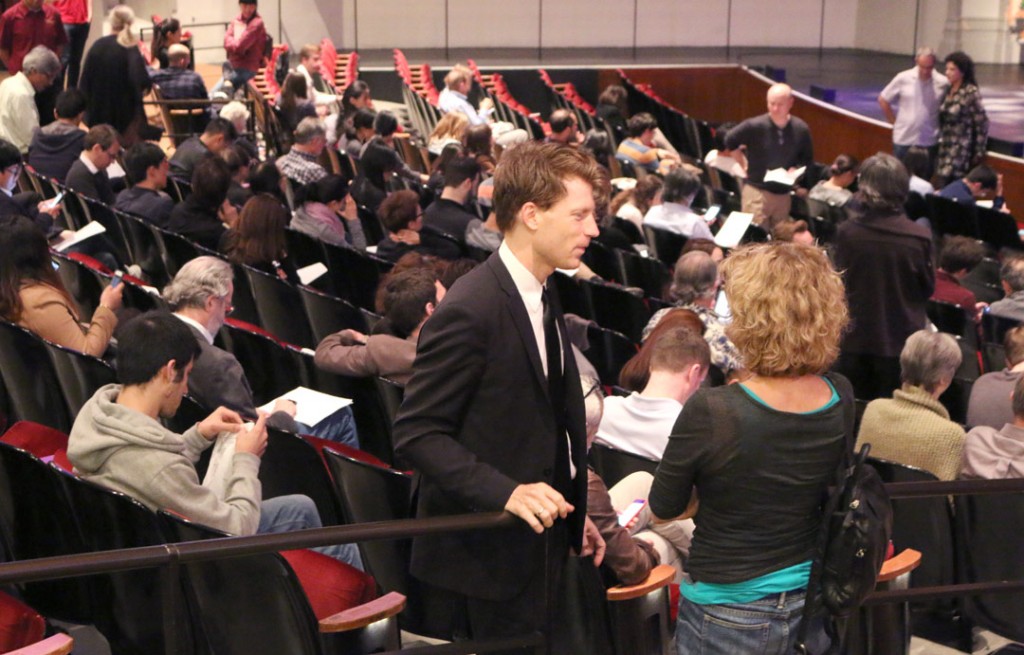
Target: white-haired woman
[114, 78]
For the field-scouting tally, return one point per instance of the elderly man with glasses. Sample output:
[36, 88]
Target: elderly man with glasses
[19, 115]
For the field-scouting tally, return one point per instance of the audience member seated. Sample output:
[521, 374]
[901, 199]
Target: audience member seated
[377, 165]
[981, 183]
[695, 287]
[218, 135]
[301, 164]
[835, 190]
[117, 441]
[613, 109]
[912, 427]
[33, 296]
[641, 422]
[564, 128]
[240, 168]
[674, 213]
[918, 164]
[55, 147]
[959, 256]
[402, 217]
[264, 177]
[407, 299]
[321, 91]
[991, 454]
[88, 176]
[362, 131]
[704, 245]
[325, 213]
[449, 213]
[200, 295]
[166, 33]
[206, 214]
[458, 83]
[237, 114]
[385, 125]
[733, 162]
[598, 145]
[485, 235]
[177, 82]
[793, 232]
[19, 116]
[294, 104]
[639, 149]
[450, 129]
[355, 97]
[23, 204]
[1011, 274]
[257, 238]
[989, 404]
[147, 163]
[479, 144]
[633, 204]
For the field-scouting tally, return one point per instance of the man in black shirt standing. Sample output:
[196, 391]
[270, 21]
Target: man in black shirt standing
[773, 140]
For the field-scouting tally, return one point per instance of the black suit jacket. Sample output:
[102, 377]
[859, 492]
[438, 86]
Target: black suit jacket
[21, 205]
[475, 423]
[88, 184]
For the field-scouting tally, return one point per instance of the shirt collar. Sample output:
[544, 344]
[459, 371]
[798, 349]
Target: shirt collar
[528, 286]
[88, 163]
[199, 326]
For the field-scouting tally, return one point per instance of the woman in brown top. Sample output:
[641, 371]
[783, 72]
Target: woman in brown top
[32, 295]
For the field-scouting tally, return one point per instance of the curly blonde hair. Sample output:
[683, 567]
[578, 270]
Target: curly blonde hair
[789, 308]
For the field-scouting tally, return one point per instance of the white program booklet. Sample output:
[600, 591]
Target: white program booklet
[91, 229]
[733, 229]
[783, 176]
[309, 273]
[311, 406]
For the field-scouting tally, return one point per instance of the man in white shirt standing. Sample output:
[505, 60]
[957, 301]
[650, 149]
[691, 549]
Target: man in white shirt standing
[911, 103]
[641, 422]
[19, 116]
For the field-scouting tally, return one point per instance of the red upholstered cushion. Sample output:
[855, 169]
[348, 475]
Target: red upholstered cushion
[60, 458]
[331, 586]
[347, 451]
[20, 625]
[673, 603]
[40, 440]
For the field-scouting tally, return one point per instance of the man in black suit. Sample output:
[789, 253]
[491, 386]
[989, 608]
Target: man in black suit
[88, 176]
[493, 416]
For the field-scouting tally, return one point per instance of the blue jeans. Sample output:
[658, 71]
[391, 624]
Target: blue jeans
[767, 626]
[298, 512]
[339, 427]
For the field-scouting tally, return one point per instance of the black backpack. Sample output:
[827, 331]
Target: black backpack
[852, 544]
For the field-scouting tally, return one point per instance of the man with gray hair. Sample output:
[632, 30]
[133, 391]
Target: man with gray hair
[1012, 275]
[911, 103]
[19, 115]
[300, 164]
[200, 296]
[913, 427]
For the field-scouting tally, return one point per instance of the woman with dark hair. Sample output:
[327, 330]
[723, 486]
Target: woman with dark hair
[33, 296]
[294, 104]
[963, 123]
[257, 239]
[402, 218]
[355, 97]
[206, 214]
[886, 261]
[378, 164]
[597, 144]
[633, 204]
[842, 173]
[166, 34]
[326, 213]
[613, 109]
[479, 143]
[265, 177]
[739, 448]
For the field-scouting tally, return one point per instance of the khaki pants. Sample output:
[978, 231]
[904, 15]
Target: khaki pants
[769, 209]
[670, 540]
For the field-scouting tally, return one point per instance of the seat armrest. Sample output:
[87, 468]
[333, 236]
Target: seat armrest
[659, 576]
[363, 615]
[58, 644]
[908, 560]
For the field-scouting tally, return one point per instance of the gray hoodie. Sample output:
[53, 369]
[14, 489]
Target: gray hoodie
[130, 452]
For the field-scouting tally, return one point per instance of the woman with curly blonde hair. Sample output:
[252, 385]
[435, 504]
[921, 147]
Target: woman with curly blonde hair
[759, 455]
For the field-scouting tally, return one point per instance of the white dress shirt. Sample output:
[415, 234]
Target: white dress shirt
[19, 116]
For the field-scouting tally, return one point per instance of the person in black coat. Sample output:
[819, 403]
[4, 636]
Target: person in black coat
[205, 215]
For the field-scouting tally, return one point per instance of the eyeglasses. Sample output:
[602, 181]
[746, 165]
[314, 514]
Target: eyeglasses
[228, 307]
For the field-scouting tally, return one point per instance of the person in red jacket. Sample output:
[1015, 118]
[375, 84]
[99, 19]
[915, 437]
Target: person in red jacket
[245, 43]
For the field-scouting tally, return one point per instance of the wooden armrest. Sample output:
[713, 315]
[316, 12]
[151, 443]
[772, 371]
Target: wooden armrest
[908, 560]
[659, 576]
[59, 644]
[363, 615]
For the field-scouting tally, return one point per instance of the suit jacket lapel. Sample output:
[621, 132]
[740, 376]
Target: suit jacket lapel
[514, 303]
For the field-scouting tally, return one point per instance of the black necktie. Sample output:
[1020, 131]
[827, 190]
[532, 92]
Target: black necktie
[556, 394]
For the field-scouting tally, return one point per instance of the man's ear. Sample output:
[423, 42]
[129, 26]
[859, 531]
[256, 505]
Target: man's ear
[429, 308]
[528, 214]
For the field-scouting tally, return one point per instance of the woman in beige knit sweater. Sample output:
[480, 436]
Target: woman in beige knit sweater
[913, 428]
[32, 295]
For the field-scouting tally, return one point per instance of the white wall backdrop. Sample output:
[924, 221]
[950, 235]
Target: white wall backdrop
[977, 26]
